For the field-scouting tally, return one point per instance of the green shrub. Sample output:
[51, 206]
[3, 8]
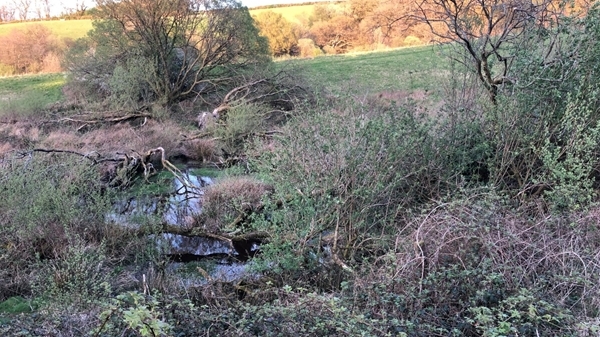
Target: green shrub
[129, 83]
[544, 130]
[79, 277]
[350, 172]
[241, 123]
[477, 267]
[17, 304]
[49, 203]
[133, 311]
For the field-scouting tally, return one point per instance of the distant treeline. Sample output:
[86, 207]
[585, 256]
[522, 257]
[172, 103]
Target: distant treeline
[298, 4]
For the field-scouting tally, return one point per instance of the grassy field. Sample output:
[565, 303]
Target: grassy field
[405, 69]
[290, 13]
[29, 94]
[396, 72]
[63, 29]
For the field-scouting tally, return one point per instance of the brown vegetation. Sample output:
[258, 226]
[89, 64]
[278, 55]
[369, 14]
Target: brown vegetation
[31, 50]
[226, 203]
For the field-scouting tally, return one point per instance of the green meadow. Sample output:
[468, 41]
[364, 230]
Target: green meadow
[400, 70]
[404, 69]
[30, 94]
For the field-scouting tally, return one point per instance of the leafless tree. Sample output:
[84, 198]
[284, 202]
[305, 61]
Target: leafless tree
[7, 13]
[489, 31]
[80, 7]
[22, 7]
[46, 8]
[74, 8]
[38, 9]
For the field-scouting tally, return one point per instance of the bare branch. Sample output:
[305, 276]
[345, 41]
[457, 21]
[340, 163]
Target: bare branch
[486, 29]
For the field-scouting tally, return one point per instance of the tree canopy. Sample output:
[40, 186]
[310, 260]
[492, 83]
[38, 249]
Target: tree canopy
[166, 50]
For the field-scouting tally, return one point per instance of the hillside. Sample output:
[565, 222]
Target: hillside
[72, 29]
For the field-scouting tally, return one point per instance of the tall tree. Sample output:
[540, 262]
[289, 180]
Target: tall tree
[173, 49]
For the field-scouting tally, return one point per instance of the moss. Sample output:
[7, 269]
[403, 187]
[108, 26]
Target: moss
[17, 305]
[206, 172]
[159, 184]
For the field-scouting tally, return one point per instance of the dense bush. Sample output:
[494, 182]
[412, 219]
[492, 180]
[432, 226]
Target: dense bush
[52, 210]
[173, 52]
[30, 50]
[353, 171]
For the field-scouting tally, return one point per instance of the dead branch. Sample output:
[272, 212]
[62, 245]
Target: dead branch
[273, 89]
[198, 232]
[94, 156]
[105, 119]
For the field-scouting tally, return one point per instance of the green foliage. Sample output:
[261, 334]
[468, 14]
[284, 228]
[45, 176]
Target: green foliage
[129, 83]
[79, 277]
[174, 52]
[134, 311]
[278, 31]
[301, 313]
[49, 205]
[571, 157]
[242, 122]
[351, 172]
[522, 314]
[17, 305]
[544, 132]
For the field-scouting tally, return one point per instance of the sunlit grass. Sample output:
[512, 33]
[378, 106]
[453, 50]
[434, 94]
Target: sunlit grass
[399, 70]
[404, 69]
[25, 95]
[73, 29]
[290, 13]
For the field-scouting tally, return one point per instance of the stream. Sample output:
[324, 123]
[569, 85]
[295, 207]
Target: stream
[224, 261]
